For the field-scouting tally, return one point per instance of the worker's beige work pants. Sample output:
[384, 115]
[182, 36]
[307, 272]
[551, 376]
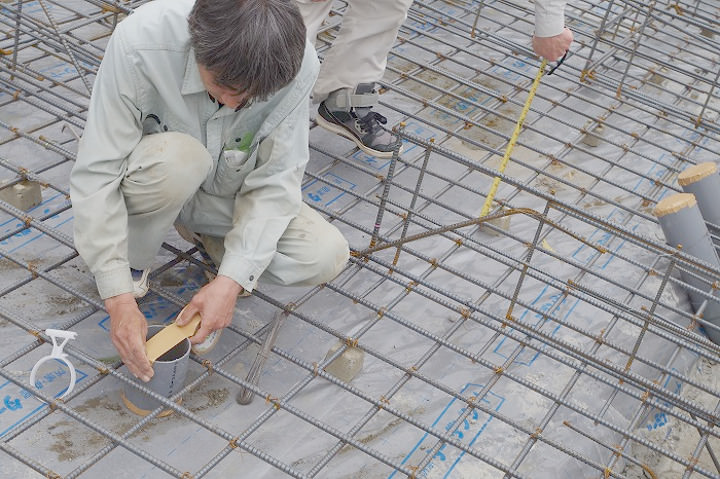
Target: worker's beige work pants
[359, 52]
[164, 173]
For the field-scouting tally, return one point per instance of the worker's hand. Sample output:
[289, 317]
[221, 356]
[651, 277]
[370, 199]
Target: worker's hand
[128, 330]
[216, 304]
[553, 48]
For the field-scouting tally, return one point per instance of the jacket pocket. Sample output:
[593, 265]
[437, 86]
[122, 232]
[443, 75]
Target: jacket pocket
[233, 167]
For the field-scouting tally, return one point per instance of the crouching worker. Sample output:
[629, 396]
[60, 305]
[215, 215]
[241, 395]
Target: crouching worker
[199, 119]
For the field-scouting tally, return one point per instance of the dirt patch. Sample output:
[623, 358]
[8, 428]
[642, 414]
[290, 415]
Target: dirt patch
[595, 203]
[65, 300]
[70, 441]
[66, 304]
[212, 397]
[548, 184]
[6, 264]
[105, 403]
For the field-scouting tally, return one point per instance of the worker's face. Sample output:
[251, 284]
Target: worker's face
[230, 97]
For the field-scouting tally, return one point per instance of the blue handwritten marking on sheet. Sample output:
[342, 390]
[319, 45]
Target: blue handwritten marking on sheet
[29, 8]
[323, 191]
[657, 418]
[414, 128]
[18, 404]
[471, 427]
[507, 66]
[28, 234]
[528, 356]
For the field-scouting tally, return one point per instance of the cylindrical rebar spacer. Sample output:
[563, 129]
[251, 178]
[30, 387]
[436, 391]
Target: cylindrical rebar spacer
[682, 224]
[170, 370]
[703, 181]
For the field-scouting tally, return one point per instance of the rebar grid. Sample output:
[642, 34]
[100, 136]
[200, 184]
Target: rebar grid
[558, 344]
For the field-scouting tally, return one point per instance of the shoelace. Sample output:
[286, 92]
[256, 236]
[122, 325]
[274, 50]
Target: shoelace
[370, 121]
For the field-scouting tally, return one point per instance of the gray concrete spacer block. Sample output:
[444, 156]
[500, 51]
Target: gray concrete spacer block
[593, 138]
[346, 366]
[23, 196]
[500, 223]
[657, 79]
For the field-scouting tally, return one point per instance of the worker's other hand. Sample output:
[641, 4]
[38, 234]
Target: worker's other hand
[553, 48]
[128, 330]
[216, 304]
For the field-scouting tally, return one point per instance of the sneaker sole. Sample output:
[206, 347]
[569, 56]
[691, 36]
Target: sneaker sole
[141, 287]
[340, 130]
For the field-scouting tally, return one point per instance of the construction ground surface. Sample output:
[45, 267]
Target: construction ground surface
[557, 341]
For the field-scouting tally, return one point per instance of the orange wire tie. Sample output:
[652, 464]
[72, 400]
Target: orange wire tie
[208, 365]
[272, 400]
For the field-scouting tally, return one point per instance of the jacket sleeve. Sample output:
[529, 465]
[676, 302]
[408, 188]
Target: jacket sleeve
[268, 200]
[112, 130]
[549, 17]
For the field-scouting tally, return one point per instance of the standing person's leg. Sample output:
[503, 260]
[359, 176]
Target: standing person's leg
[313, 13]
[350, 68]
[359, 52]
[164, 171]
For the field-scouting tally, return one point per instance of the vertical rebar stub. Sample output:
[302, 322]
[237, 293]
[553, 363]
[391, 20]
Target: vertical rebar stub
[703, 181]
[682, 224]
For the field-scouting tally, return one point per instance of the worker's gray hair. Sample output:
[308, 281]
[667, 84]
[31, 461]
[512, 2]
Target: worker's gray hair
[256, 46]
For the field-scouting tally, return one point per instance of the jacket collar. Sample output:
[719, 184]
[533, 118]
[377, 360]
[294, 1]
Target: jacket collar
[192, 83]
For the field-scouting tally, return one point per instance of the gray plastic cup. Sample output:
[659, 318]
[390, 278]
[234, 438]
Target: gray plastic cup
[169, 369]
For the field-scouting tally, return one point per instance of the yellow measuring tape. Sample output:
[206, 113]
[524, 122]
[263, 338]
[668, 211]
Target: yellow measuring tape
[513, 139]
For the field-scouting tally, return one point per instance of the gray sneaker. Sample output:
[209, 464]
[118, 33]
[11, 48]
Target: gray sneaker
[360, 125]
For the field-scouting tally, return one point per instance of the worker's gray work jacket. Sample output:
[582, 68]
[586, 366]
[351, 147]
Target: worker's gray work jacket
[149, 81]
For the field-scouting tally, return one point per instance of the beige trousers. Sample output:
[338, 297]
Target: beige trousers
[165, 172]
[359, 53]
